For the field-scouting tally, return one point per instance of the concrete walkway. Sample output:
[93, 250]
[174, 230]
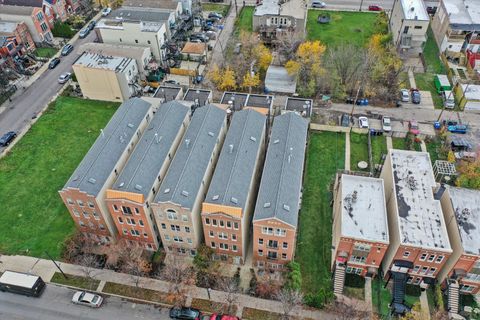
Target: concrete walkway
[368, 293]
[423, 146]
[347, 150]
[224, 36]
[46, 269]
[411, 79]
[389, 143]
[424, 305]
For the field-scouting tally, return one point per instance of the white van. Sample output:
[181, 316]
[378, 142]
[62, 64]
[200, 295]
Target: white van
[448, 99]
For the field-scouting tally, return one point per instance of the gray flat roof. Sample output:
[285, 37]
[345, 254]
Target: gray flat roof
[299, 105]
[150, 153]
[99, 61]
[93, 171]
[267, 7]
[278, 80]
[414, 10]
[260, 101]
[7, 27]
[200, 94]
[281, 184]
[364, 215]
[141, 14]
[16, 10]
[237, 98]
[463, 14]
[236, 166]
[161, 4]
[167, 92]
[466, 206]
[184, 177]
[420, 216]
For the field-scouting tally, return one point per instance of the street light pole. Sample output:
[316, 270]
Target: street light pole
[56, 265]
[208, 292]
[361, 4]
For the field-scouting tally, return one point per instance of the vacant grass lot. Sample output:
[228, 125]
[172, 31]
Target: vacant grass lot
[354, 27]
[399, 143]
[381, 297]
[37, 167]
[325, 155]
[45, 52]
[245, 20]
[220, 8]
[379, 148]
[358, 150]
[137, 293]
[75, 281]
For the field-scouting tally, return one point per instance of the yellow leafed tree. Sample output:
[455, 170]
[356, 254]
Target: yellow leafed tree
[251, 80]
[263, 56]
[215, 75]
[228, 80]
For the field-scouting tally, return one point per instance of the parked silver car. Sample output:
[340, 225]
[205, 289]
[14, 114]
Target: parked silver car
[87, 299]
[64, 77]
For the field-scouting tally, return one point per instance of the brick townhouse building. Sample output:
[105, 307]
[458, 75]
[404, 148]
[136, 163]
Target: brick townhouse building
[15, 42]
[461, 208]
[360, 227]
[279, 197]
[53, 9]
[33, 17]
[129, 199]
[177, 205]
[84, 192]
[228, 207]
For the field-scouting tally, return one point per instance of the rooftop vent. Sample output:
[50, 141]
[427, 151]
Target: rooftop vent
[121, 184]
[138, 187]
[185, 193]
[276, 141]
[166, 190]
[215, 197]
[234, 200]
[187, 142]
[253, 138]
[412, 183]
[286, 207]
[130, 125]
[210, 133]
[92, 180]
[230, 148]
[266, 205]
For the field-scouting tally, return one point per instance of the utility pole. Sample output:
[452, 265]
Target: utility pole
[361, 4]
[56, 265]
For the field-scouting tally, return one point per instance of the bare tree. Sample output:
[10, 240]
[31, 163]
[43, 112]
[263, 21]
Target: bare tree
[287, 44]
[230, 287]
[353, 310]
[289, 299]
[179, 275]
[89, 264]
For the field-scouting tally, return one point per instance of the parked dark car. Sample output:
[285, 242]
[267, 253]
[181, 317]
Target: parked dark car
[185, 313]
[67, 49]
[91, 25]
[416, 97]
[199, 36]
[374, 8]
[53, 63]
[215, 0]
[215, 15]
[345, 120]
[7, 138]
[458, 128]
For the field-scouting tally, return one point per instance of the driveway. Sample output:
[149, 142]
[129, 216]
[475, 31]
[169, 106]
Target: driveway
[25, 106]
[54, 304]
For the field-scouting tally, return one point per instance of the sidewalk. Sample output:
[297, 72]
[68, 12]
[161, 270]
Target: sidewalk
[46, 269]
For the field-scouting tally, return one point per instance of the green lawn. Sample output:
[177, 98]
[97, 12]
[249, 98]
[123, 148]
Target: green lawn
[244, 21]
[434, 65]
[37, 167]
[381, 297]
[399, 143]
[434, 148]
[325, 155]
[45, 52]
[356, 293]
[220, 8]
[349, 27]
[358, 150]
[75, 281]
[379, 147]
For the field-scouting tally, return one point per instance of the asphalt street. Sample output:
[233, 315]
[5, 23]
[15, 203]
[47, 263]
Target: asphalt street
[55, 304]
[32, 99]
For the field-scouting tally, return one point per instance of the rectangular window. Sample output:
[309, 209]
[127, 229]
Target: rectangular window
[120, 220]
[212, 244]
[76, 213]
[167, 237]
[234, 248]
[431, 258]
[409, 280]
[229, 224]
[439, 259]
[260, 242]
[273, 244]
[184, 217]
[406, 254]
[214, 222]
[44, 26]
[164, 226]
[416, 269]
[81, 223]
[125, 232]
[115, 208]
[211, 234]
[101, 226]
[207, 221]
[137, 211]
[126, 210]
[95, 215]
[266, 230]
[80, 203]
[145, 235]
[70, 201]
[281, 232]
[417, 281]
[140, 222]
[235, 225]
[431, 271]
[423, 257]
[405, 30]
[260, 252]
[285, 245]
[418, 27]
[234, 237]
[187, 229]
[221, 223]
[90, 204]
[189, 240]
[424, 270]
[284, 256]
[86, 215]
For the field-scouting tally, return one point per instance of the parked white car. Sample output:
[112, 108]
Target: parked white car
[405, 95]
[318, 4]
[106, 11]
[87, 299]
[363, 122]
[386, 124]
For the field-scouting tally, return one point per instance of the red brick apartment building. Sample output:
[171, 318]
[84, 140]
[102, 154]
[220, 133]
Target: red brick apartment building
[15, 41]
[33, 17]
[178, 203]
[275, 218]
[228, 207]
[129, 199]
[360, 227]
[419, 243]
[84, 193]
[461, 207]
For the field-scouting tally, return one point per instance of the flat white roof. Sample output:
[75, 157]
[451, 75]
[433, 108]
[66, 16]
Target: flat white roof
[472, 91]
[100, 61]
[466, 206]
[364, 215]
[268, 7]
[420, 216]
[415, 10]
[463, 12]
[18, 279]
